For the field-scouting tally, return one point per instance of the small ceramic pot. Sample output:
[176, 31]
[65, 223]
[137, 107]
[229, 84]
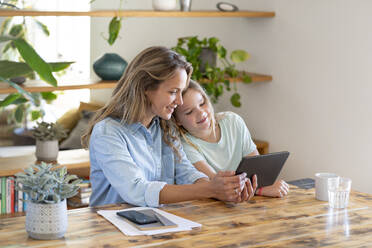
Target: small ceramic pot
[110, 66]
[46, 221]
[47, 150]
[164, 4]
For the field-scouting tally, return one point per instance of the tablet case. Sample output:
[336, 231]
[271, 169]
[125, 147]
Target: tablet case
[267, 167]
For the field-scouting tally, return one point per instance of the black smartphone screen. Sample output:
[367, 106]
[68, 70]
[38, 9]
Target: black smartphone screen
[137, 217]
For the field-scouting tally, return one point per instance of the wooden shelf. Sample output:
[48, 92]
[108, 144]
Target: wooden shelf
[138, 13]
[255, 78]
[40, 86]
[72, 159]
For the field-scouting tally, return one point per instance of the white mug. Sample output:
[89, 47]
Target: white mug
[321, 185]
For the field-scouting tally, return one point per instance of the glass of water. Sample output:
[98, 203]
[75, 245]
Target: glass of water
[338, 192]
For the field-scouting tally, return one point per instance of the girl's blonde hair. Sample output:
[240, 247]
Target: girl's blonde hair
[182, 131]
[129, 103]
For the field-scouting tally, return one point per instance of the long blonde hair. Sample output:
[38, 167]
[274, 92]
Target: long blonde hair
[182, 131]
[129, 103]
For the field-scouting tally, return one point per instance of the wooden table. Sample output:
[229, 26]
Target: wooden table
[297, 220]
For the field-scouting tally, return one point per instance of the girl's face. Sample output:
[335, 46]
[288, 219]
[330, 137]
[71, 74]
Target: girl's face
[194, 114]
[166, 97]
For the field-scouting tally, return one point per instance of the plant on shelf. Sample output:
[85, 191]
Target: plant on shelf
[111, 66]
[20, 61]
[114, 26]
[47, 136]
[47, 189]
[202, 55]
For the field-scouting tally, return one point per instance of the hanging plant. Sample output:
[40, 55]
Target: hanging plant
[214, 78]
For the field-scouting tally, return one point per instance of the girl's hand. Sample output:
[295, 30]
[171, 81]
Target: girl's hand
[226, 186]
[278, 189]
[249, 189]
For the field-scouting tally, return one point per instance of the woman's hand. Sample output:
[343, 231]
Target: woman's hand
[226, 186]
[278, 189]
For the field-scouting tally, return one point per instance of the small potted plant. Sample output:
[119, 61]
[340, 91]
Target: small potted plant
[47, 136]
[47, 189]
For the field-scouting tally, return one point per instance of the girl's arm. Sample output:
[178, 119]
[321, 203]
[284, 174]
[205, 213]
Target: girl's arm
[278, 189]
[204, 167]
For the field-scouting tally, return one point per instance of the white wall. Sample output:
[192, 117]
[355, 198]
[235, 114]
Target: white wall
[318, 106]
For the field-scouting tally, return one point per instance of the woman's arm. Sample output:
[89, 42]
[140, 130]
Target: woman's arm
[224, 186]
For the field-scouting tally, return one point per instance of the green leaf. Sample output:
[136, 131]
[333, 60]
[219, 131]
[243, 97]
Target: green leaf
[7, 47]
[26, 94]
[4, 25]
[35, 61]
[35, 114]
[48, 96]
[246, 78]
[17, 30]
[59, 66]
[19, 113]
[20, 100]
[9, 99]
[10, 69]
[5, 38]
[43, 27]
[238, 56]
[235, 100]
[114, 29]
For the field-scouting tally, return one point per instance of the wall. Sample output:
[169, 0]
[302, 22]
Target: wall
[318, 106]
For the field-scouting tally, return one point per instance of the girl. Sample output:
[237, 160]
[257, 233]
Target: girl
[135, 156]
[215, 143]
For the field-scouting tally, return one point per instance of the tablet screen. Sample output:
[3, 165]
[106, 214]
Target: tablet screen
[267, 167]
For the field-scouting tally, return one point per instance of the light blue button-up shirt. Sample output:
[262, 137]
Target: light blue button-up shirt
[131, 163]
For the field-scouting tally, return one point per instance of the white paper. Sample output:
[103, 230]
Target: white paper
[128, 229]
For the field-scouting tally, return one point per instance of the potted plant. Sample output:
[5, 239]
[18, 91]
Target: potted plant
[202, 54]
[47, 189]
[47, 136]
[111, 66]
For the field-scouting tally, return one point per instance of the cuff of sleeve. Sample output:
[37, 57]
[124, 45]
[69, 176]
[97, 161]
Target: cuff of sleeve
[152, 193]
[197, 176]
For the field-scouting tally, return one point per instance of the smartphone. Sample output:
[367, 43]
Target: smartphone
[137, 217]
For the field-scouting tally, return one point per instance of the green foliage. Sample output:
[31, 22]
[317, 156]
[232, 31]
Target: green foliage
[17, 48]
[114, 29]
[49, 131]
[216, 78]
[44, 183]
[114, 26]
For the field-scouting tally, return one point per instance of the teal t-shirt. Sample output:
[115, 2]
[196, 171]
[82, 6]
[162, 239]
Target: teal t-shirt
[235, 143]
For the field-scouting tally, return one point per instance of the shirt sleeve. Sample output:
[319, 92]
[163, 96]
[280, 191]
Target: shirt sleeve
[192, 153]
[186, 173]
[121, 171]
[248, 145]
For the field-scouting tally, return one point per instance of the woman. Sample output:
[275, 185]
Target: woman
[215, 143]
[135, 155]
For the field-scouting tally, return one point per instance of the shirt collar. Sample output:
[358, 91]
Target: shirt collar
[135, 126]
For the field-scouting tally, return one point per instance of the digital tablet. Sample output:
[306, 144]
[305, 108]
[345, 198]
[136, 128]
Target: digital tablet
[267, 167]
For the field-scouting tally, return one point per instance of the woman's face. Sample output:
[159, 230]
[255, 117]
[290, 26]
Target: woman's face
[194, 114]
[167, 96]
